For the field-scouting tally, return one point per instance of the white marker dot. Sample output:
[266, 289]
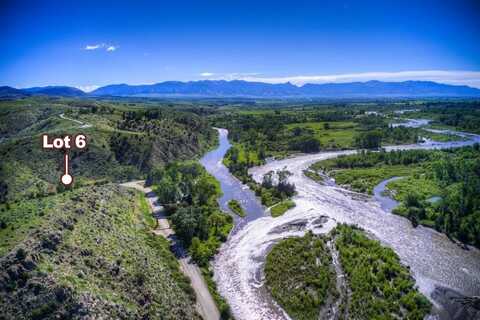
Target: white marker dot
[67, 179]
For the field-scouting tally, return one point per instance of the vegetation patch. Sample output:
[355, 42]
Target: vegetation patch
[381, 287]
[299, 275]
[281, 207]
[190, 195]
[235, 206]
[92, 255]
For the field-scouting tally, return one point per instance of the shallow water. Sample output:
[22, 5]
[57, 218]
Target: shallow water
[434, 259]
[232, 188]
[385, 201]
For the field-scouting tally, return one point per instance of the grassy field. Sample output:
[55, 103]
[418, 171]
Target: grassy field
[332, 135]
[418, 184]
[441, 137]
[281, 207]
[365, 179]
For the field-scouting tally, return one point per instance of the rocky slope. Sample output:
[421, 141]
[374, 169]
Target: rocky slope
[88, 254]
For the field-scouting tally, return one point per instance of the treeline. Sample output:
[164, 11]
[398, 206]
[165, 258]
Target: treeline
[464, 115]
[368, 159]
[189, 195]
[275, 187]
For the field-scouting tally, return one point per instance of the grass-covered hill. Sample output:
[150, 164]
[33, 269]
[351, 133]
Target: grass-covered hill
[88, 253]
[124, 141]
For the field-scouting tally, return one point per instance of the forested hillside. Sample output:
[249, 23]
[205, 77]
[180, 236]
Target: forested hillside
[120, 144]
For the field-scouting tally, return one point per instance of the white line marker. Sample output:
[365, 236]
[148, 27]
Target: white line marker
[67, 179]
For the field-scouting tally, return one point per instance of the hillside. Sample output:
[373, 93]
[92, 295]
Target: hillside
[88, 253]
[63, 91]
[118, 149]
[11, 93]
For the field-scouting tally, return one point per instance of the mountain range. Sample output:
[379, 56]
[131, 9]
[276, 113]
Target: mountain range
[240, 88]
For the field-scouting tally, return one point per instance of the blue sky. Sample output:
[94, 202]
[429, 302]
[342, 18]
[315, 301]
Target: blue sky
[94, 43]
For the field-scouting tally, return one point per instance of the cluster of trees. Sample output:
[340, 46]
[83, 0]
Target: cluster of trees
[464, 115]
[275, 187]
[458, 213]
[266, 132]
[132, 150]
[239, 158]
[189, 195]
[456, 172]
[369, 139]
[375, 131]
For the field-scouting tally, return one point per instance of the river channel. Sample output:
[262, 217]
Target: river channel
[435, 261]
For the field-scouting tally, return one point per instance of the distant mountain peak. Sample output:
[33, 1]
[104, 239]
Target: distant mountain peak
[242, 88]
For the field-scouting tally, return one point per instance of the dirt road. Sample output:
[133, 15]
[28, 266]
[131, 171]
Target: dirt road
[205, 304]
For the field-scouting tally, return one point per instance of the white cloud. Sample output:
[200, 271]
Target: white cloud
[88, 88]
[470, 78]
[228, 76]
[106, 47]
[93, 46]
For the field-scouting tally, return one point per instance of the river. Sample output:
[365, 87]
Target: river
[435, 261]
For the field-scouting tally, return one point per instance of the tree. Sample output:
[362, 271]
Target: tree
[267, 181]
[369, 140]
[190, 222]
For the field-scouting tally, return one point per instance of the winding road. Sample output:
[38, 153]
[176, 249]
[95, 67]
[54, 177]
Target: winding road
[82, 124]
[206, 306]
